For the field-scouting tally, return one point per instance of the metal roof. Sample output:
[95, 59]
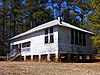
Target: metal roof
[49, 24]
[77, 28]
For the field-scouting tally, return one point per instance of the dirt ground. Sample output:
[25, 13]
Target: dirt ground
[45, 68]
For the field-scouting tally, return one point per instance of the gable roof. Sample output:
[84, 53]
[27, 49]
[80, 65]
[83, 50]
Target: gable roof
[49, 24]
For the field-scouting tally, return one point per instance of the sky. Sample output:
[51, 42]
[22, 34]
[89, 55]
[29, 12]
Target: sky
[23, 1]
[1, 3]
[63, 6]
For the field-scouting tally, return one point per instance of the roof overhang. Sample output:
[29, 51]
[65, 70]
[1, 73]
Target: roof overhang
[76, 28]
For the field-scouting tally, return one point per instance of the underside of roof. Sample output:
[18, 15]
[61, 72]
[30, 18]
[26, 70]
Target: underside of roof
[49, 24]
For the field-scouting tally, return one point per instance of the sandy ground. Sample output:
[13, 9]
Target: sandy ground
[45, 68]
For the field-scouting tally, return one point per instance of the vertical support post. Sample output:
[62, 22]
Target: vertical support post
[78, 58]
[84, 57]
[7, 56]
[25, 58]
[91, 57]
[48, 58]
[66, 57]
[31, 57]
[69, 57]
[56, 59]
[39, 58]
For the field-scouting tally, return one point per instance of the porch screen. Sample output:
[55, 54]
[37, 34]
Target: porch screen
[26, 44]
[78, 37]
[26, 47]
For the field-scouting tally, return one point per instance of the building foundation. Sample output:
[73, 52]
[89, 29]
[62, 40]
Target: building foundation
[48, 58]
[31, 57]
[25, 58]
[91, 57]
[56, 57]
[39, 58]
[84, 57]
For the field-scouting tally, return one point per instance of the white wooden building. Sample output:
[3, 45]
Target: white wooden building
[53, 39]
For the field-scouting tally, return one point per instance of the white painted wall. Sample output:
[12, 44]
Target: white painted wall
[63, 34]
[37, 43]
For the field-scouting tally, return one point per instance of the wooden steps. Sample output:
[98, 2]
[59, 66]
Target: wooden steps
[13, 58]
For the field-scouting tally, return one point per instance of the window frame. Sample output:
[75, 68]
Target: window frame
[51, 30]
[26, 44]
[49, 33]
[78, 37]
[51, 38]
[46, 31]
[72, 36]
[84, 39]
[46, 39]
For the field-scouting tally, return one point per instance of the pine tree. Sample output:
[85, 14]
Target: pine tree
[3, 26]
[69, 10]
[16, 17]
[10, 20]
[36, 12]
[95, 20]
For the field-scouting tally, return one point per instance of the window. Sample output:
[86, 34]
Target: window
[51, 30]
[46, 31]
[78, 37]
[49, 37]
[72, 36]
[46, 35]
[46, 39]
[84, 39]
[15, 46]
[26, 44]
